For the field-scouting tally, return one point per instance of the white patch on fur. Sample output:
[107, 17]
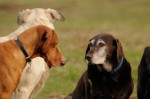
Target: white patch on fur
[40, 16]
[30, 78]
[100, 41]
[92, 42]
[99, 56]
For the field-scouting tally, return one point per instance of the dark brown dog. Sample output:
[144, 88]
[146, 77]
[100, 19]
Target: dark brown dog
[108, 75]
[37, 41]
[143, 88]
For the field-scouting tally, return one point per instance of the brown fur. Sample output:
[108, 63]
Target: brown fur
[98, 83]
[37, 41]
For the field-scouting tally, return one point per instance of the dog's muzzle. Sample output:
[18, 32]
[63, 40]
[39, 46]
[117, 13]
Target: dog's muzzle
[99, 66]
[63, 62]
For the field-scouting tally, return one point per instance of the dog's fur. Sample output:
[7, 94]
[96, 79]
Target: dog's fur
[37, 41]
[32, 79]
[32, 17]
[143, 87]
[26, 19]
[103, 54]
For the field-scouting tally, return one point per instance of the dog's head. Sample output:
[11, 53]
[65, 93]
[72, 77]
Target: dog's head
[47, 47]
[105, 51]
[39, 16]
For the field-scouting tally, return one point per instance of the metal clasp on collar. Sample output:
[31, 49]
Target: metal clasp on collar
[28, 62]
[29, 65]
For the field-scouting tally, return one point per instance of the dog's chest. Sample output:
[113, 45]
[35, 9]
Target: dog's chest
[103, 87]
[105, 90]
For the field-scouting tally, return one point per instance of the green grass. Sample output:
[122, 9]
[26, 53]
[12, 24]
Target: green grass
[127, 20]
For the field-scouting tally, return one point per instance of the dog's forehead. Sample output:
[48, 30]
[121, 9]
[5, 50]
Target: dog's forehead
[38, 11]
[96, 41]
[104, 38]
[92, 41]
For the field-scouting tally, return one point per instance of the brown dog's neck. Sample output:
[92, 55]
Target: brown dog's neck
[31, 40]
[95, 74]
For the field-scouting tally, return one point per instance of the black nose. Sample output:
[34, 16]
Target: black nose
[63, 63]
[88, 57]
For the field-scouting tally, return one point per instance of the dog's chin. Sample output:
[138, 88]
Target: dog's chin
[99, 66]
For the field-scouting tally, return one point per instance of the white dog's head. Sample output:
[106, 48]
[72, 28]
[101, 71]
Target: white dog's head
[39, 16]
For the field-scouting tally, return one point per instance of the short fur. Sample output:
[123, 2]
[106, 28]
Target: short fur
[28, 18]
[31, 17]
[37, 41]
[143, 87]
[97, 82]
[27, 87]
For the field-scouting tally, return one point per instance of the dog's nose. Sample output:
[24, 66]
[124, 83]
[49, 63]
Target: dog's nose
[63, 62]
[88, 57]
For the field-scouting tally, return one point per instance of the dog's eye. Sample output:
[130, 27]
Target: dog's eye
[101, 44]
[90, 44]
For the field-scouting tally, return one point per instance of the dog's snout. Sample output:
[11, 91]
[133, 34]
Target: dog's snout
[63, 62]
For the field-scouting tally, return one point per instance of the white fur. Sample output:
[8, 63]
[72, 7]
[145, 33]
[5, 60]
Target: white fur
[32, 80]
[32, 17]
[99, 56]
[92, 41]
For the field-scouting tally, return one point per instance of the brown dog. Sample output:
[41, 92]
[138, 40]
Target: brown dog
[108, 75]
[37, 41]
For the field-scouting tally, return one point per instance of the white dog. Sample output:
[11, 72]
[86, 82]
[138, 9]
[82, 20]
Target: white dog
[31, 17]
[32, 79]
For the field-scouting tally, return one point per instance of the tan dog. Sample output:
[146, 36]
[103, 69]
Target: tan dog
[37, 41]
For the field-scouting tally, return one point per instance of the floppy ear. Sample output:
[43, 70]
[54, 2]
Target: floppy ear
[119, 50]
[22, 16]
[55, 14]
[50, 39]
[87, 49]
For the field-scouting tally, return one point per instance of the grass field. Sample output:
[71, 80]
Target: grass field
[127, 20]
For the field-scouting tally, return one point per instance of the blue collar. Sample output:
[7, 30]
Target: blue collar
[118, 67]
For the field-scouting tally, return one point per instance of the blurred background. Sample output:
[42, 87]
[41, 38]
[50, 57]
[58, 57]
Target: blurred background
[127, 20]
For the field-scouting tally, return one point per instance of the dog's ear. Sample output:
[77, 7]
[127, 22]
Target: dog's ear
[22, 16]
[50, 39]
[55, 14]
[119, 50]
[88, 48]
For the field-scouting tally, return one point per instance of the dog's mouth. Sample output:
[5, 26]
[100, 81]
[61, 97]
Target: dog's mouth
[100, 67]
